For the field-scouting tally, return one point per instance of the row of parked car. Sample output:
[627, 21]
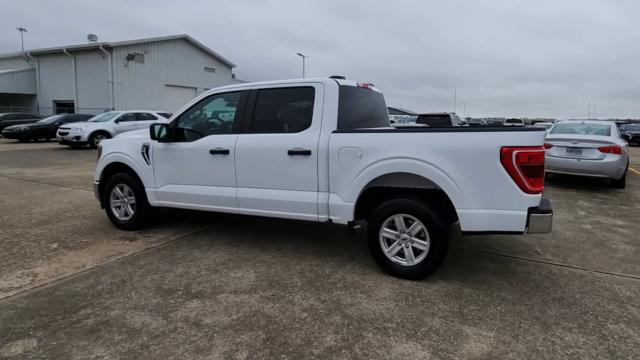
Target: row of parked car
[591, 148]
[76, 130]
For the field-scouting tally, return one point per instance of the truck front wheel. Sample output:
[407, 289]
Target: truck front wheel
[407, 238]
[125, 202]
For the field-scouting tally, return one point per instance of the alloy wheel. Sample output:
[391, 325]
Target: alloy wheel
[122, 202]
[404, 239]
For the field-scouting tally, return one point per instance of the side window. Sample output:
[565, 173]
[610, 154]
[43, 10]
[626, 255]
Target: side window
[8, 117]
[145, 117]
[127, 117]
[286, 110]
[215, 114]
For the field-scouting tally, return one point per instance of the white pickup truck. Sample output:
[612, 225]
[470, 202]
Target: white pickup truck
[322, 150]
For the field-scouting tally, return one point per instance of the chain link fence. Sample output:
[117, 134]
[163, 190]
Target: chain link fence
[47, 111]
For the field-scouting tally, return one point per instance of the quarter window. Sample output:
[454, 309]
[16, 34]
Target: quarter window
[285, 110]
[213, 115]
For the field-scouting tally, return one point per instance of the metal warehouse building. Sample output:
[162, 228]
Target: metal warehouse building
[160, 73]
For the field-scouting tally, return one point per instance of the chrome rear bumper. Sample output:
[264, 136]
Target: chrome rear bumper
[540, 218]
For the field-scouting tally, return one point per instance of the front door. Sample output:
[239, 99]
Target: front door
[277, 153]
[125, 122]
[197, 169]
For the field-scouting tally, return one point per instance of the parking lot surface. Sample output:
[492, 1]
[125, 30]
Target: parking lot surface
[200, 285]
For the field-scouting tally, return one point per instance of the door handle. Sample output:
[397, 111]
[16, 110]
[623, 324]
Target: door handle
[299, 152]
[219, 151]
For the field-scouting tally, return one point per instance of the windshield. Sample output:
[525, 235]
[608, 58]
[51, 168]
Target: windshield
[582, 129]
[50, 119]
[104, 117]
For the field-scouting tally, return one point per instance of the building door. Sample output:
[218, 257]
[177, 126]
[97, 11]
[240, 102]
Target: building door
[176, 97]
[64, 107]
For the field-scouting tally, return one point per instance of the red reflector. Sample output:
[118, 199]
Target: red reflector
[525, 165]
[611, 149]
[547, 146]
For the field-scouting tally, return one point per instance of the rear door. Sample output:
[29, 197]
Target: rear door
[144, 119]
[277, 153]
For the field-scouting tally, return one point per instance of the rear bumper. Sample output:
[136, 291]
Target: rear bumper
[612, 167]
[540, 218]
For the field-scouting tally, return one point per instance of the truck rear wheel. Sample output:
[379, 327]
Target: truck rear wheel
[407, 238]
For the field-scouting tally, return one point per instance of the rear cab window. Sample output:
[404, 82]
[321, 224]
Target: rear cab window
[361, 107]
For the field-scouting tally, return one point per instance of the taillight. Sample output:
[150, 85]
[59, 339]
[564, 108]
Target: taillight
[526, 166]
[365, 86]
[548, 146]
[611, 149]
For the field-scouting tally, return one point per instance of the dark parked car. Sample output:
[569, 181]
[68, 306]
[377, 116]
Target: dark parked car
[438, 119]
[631, 133]
[43, 130]
[8, 119]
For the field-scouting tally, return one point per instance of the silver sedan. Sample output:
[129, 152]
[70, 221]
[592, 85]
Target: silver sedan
[587, 148]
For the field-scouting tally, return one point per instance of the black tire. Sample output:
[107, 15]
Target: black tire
[436, 229]
[620, 183]
[142, 211]
[41, 136]
[96, 137]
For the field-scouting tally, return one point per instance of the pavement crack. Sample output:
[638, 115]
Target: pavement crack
[54, 281]
[546, 262]
[44, 183]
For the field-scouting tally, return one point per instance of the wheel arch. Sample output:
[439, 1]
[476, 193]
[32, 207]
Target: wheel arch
[402, 184]
[111, 169]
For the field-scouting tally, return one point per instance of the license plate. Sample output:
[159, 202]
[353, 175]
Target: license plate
[574, 151]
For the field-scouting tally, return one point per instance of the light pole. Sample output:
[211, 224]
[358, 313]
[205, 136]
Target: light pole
[22, 31]
[304, 57]
[588, 108]
[464, 108]
[455, 99]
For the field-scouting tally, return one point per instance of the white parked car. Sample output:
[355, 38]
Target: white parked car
[322, 150]
[107, 125]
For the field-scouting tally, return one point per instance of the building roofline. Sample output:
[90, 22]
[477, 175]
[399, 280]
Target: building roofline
[113, 44]
[13, 71]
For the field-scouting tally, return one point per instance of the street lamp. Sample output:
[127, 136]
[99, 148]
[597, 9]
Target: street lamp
[22, 31]
[304, 57]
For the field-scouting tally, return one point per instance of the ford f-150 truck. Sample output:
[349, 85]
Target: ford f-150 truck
[322, 150]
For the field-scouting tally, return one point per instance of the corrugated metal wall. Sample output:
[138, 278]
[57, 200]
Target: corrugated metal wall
[56, 80]
[92, 81]
[174, 63]
[18, 82]
[16, 62]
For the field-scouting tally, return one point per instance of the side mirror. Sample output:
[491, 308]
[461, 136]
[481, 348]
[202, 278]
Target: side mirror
[160, 132]
[57, 123]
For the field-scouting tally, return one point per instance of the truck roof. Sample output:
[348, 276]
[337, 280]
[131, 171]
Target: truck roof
[324, 80]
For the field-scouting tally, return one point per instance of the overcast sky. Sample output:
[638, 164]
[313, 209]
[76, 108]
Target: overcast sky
[506, 58]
